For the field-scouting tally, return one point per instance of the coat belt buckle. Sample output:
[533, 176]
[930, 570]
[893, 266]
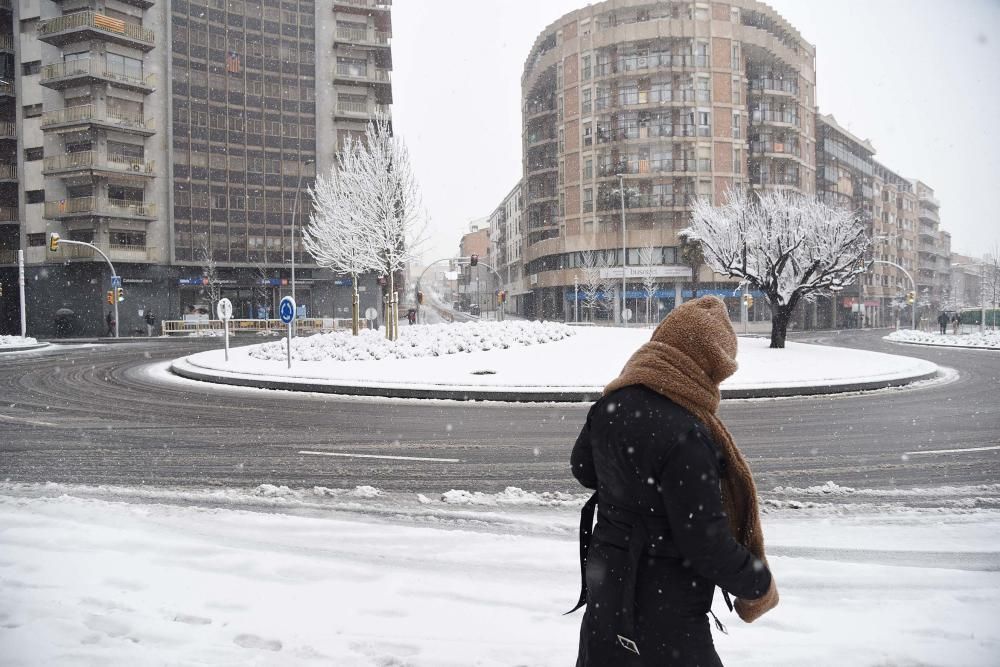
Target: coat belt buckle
[628, 644]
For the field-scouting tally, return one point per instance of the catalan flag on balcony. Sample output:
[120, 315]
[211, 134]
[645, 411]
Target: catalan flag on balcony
[108, 23]
[233, 62]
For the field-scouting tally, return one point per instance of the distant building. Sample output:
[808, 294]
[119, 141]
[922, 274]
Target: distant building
[506, 244]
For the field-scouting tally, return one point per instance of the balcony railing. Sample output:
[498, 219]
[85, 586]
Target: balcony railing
[786, 86]
[99, 206]
[96, 160]
[96, 68]
[367, 4]
[8, 256]
[115, 251]
[6, 88]
[86, 113]
[8, 130]
[777, 147]
[764, 116]
[376, 74]
[8, 172]
[361, 108]
[8, 213]
[99, 23]
[362, 36]
[7, 42]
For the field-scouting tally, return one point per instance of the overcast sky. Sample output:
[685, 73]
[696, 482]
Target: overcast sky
[919, 78]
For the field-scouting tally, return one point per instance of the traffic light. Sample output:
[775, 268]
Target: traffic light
[120, 293]
[53, 242]
[911, 297]
[420, 297]
[748, 300]
[501, 296]
[474, 260]
[111, 297]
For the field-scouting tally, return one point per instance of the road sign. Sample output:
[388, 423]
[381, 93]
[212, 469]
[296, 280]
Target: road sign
[286, 309]
[225, 309]
[627, 314]
[116, 281]
[371, 314]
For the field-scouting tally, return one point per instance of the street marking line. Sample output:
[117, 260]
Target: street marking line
[25, 420]
[956, 451]
[380, 456]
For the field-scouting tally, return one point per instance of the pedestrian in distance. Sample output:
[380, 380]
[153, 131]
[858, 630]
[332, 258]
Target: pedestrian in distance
[110, 319]
[676, 504]
[150, 323]
[943, 321]
[956, 321]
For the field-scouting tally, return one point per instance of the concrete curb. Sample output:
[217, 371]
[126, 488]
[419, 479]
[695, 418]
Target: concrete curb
[22, 348]
[186, 369]
[952, 347]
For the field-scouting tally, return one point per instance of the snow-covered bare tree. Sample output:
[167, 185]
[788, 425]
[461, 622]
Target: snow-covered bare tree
[590, 270]
[261, 290]
[649, 283]
[210, 273]
[783, 244]
[381, 192]
[334, 235]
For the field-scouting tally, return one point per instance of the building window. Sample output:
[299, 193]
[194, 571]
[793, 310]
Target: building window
[588, 200]
[585, 105]
[737, 161]
[736, 55]
[588, 169]
[737, 125]
[136, 239]
[34, 196]
[585, 70]
[32, 110]
[704, 124]
[29, 68]
[36, 240]
[33, 154]
[737, 90]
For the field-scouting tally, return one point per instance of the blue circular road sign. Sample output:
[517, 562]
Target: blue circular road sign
[286, 309]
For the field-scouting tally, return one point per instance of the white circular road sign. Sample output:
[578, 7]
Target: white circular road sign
[224, 309]
[371, 314]
[627, 314]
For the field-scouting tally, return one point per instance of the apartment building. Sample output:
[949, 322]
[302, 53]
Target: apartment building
[506, 243]
[180, 138]
[656, 103]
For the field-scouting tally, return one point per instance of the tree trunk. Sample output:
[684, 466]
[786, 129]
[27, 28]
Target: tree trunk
[355, 306]
[779, 325]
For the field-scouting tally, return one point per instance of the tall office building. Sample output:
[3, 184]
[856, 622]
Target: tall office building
[180, 137]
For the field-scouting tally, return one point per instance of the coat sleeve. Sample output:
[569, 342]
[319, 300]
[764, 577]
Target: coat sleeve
[689, 484]
[582, 458]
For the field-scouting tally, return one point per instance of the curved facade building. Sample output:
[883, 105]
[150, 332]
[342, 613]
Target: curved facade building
[668, 101]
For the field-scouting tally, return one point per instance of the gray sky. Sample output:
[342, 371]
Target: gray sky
[919, 78]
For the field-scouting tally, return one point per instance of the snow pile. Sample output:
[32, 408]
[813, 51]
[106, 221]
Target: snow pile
[433, 340]
[16, 341]
[512, 495]
[987, 339]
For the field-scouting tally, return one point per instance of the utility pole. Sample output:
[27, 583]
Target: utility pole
[20, 287]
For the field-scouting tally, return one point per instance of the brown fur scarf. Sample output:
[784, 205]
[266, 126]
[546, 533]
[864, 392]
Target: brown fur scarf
[691, 352]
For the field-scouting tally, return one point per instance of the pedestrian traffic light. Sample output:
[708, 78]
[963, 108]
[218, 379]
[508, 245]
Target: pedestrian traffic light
[120, 293]
[111, 297]
[420, 297]
[474, 260]
[53, 242]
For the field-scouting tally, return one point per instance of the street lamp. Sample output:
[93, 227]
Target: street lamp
[295, 207]
[621, 193]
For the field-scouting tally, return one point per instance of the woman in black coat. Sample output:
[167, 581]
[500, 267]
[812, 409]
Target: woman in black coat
[671, 501]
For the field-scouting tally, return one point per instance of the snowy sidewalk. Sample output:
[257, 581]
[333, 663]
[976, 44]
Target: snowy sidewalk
[573, 369]
[988, 340]
[96, 580]
[19, 344]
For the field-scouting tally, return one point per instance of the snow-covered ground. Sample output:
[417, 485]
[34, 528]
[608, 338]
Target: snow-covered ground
[359, 577]
[987, 339]
[584, 361]
[17, 341]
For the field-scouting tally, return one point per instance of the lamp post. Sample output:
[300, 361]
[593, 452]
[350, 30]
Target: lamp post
[295, 207]
[621, 192]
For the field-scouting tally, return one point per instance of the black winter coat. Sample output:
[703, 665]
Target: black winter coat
[662, 542]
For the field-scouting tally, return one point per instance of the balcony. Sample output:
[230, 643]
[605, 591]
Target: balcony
[86, 26]
[79, 207]
[87, 114]
[375, 75]
[7, 43]
[8, 130]
[378, 5]
[360, 110]
[929, 214]
[6, 89]
[116, 252]
[94, 161]
[769, 117]
[363, 37]
[783, 87]
[8, 172]
[8, 214]
[8, 256]
[90, 70]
